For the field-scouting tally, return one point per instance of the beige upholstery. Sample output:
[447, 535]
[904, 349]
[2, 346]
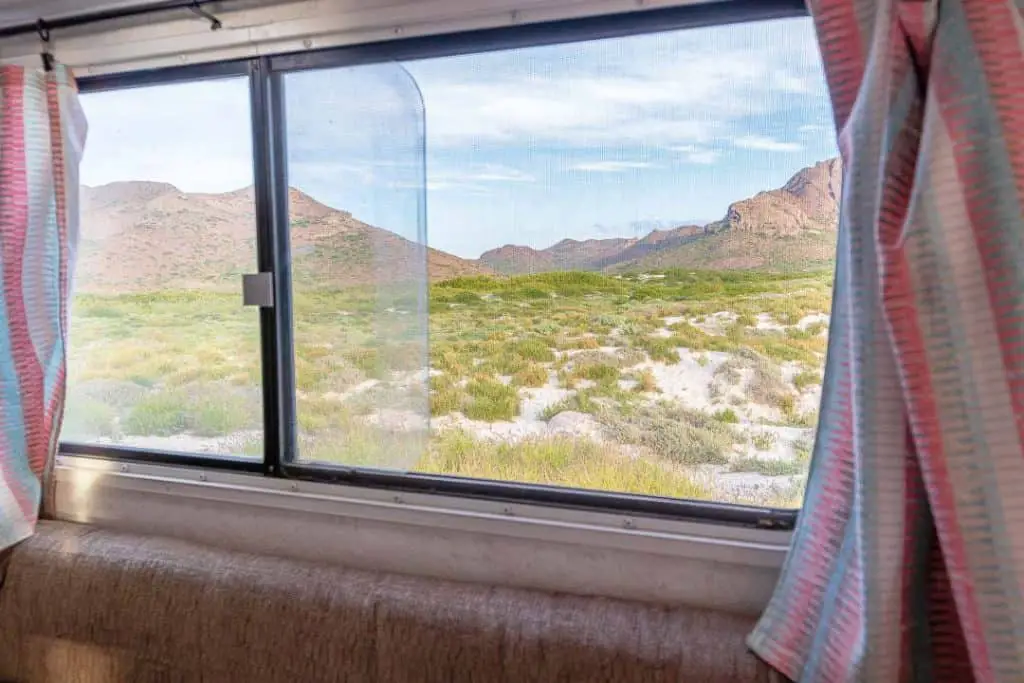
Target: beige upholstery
[82, 605]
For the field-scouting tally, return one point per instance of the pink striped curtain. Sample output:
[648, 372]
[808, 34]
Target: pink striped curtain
[42, 132]
[908, 561]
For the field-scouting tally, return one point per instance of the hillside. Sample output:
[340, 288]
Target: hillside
[792, 227]
[143, 236]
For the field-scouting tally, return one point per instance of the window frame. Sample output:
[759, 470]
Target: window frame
[268, 122]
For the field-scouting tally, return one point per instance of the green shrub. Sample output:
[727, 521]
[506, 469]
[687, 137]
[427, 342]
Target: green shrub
[767, 466]
[660, 348]
[764, 441]
[806, 378]
[490, 401]
[646, 381]
[158, 414]
[532, 349]
[727, 415]
[560, 461]
[583, 401]
[673, 432]
[597, 372]
[202, 412]
[532, 375]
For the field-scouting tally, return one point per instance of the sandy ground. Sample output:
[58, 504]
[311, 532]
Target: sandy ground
[689, 381]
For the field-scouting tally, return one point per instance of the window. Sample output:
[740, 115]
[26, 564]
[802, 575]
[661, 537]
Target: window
[603, 265]
[162, 355]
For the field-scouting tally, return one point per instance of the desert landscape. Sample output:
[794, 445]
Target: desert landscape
[686, 362]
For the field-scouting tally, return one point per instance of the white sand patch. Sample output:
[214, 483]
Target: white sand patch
[231, 444]
[783, 441]
[809, 400]
[687, 381]
[341, 396]
[509, 432]
[715, 323]
[662, 332]
[752, 487]
[535, 401]
[766, 322]
[574, 424]
[398, 420]
[809, 320]
[674, 320]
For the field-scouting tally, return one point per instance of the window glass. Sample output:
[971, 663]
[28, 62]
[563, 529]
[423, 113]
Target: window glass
[357, 225]
[162, 354]
[630, 263]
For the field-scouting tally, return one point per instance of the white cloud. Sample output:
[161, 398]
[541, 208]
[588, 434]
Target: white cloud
[678, 88]
[610, 166]
[697, 155]
[766, 144]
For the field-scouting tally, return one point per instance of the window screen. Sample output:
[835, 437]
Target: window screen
[162, 355]
[629, 268]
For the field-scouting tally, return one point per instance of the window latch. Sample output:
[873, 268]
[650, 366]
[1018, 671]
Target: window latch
[258, 290]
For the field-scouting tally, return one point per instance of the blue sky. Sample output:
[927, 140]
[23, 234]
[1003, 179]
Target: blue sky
[597, 139]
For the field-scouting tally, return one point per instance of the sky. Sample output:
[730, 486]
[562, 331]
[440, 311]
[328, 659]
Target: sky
[596, 139]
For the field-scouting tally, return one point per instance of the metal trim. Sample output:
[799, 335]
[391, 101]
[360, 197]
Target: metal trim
[716, 13]
[164, 76]
[554, 496]
[150, 456]
[273, 252]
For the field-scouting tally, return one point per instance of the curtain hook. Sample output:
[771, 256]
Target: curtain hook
[44, 36]
[199, 11]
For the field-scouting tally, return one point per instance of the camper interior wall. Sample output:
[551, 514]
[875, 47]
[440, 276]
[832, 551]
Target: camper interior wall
[671, 561]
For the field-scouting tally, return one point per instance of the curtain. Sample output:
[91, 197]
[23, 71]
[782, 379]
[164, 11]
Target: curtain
[42, 132]
[908, 560]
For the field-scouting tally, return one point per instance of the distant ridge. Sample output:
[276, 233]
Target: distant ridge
[793, 226]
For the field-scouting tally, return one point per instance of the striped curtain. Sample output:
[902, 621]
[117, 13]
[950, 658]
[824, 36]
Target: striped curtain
[908, 560]
[42, 132]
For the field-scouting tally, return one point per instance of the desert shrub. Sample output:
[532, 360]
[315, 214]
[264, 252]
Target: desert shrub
[802, 450]
[806, 378]
[583, 401]
[727, 415]
[450, 362]
[204, 413]
[531, 375]
[770, 467]
[746, 320]
[659, 348]
[816, 328]
[601, 373]
[646, 381]
[445, 397]
[367, 359]
[628, 356]
[560, 461]
[532, 349]
[673, 432]
[766, 385]
[764, 441]
[490, 400]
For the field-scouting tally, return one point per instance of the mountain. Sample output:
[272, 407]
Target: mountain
[565, 255]
[138, 236]
[793, 226]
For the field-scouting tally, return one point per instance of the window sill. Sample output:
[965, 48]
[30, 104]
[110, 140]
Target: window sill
[671, 562]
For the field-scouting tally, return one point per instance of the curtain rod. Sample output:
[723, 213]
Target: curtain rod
[111, 15]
